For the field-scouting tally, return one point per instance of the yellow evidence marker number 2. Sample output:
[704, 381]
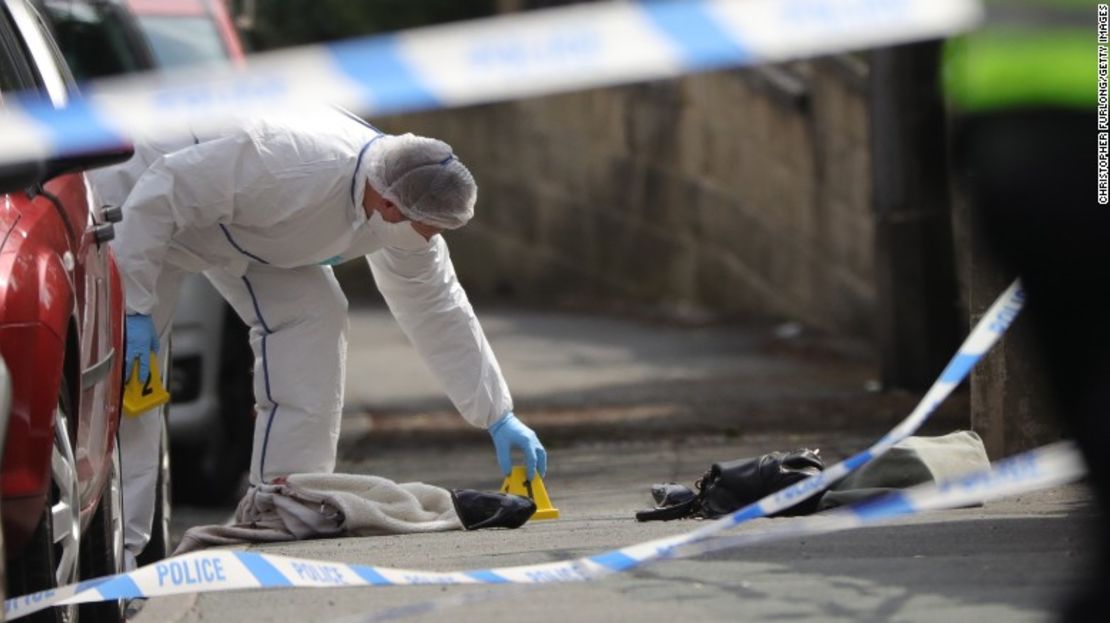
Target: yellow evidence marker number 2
[140, 397]
[517, 484]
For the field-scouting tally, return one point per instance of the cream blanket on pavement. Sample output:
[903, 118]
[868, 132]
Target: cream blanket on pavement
[309, 506]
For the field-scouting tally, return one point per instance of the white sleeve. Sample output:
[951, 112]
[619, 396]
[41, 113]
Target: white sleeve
[191, 187]
[425, 297]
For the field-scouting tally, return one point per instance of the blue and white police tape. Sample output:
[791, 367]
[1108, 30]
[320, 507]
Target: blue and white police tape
[986, 332]
[1048, 466]
[1045, 467]
[245, 570]
[216, 571]
[506, 57]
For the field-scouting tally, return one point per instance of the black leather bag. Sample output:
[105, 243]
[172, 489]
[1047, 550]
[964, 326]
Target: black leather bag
[732, 485]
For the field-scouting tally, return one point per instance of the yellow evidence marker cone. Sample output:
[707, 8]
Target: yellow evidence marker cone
[139, 397]
[517, 484]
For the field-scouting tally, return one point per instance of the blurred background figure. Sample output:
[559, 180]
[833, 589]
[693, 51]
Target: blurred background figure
[1022, 92]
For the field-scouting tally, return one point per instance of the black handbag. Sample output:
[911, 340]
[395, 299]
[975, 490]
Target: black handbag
[729, 486]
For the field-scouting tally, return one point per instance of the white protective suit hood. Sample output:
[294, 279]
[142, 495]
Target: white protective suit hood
[423, 178]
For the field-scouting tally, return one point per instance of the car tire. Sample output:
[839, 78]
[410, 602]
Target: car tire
[52, 555]
[216, 469]
[102, 546]
[161, 540]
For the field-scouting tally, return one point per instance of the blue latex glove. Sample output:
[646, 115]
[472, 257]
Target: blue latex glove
[509, 432]
[141, 339]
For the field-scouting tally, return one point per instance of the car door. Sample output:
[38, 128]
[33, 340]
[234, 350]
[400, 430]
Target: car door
[99, 333]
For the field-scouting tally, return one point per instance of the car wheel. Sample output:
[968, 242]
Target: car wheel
[102, 546]
[161, 544]
[51, 557]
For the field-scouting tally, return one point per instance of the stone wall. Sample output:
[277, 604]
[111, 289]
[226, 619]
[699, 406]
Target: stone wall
[738, 193]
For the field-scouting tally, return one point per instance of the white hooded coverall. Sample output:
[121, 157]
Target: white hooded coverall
[264, 211]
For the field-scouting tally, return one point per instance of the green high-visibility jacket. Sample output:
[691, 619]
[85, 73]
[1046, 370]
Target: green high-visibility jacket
[1027, 54]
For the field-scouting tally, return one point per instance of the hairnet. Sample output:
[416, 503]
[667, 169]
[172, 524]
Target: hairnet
[424, 179]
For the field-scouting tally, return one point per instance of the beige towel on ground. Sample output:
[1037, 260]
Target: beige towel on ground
[308, 506]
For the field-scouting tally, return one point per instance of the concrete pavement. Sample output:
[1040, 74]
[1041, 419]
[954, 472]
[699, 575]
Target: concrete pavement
[623, 404]
[583, 377]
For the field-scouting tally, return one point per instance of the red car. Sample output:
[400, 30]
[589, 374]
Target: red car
[187, 32]
[61, 336]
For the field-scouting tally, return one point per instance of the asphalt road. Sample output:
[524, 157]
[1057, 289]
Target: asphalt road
[623, 404]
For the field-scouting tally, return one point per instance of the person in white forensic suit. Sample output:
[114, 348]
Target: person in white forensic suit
[264, 210]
